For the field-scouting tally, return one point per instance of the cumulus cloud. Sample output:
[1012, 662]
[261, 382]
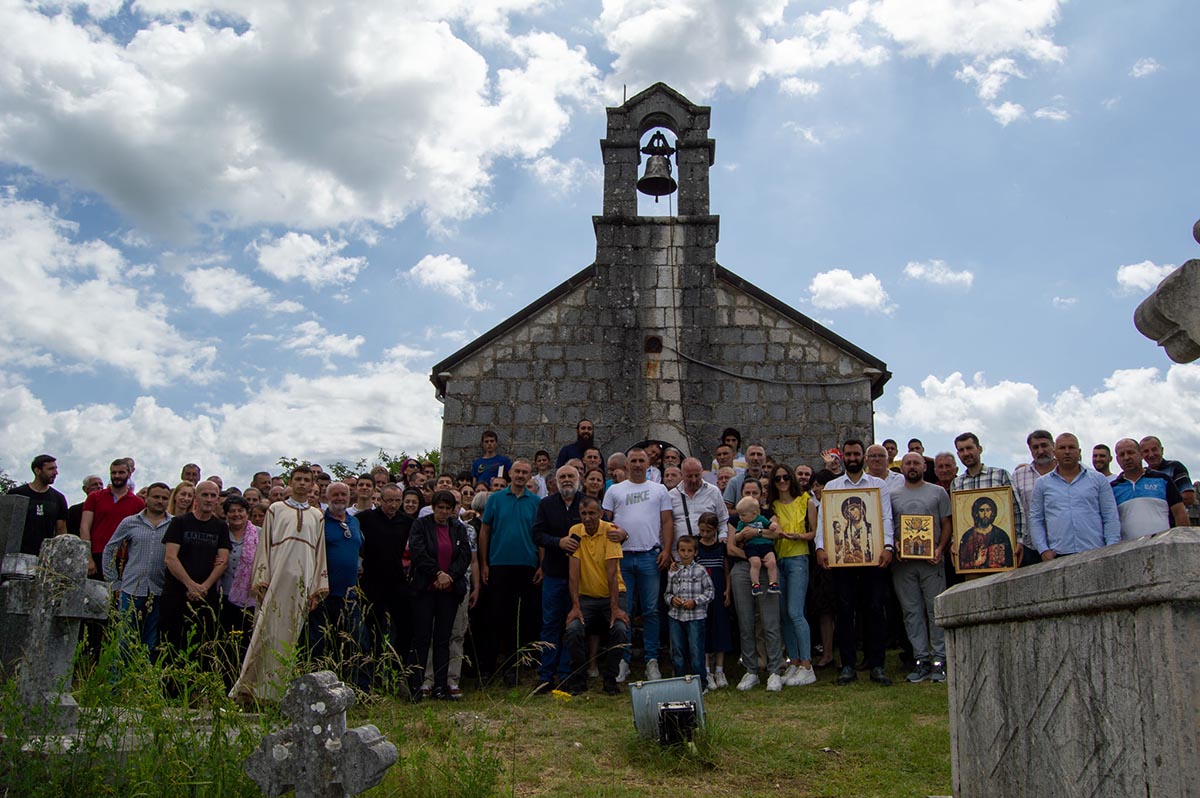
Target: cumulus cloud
[838, 289]
[299, 256]
[989, 77]
[806, 133]
[1131, 403]
[938, 273]
[58, 281]
[799, 87]
[1052, 114]
[222, 290]
[448, 275]
[1006, 112]
[564, 177]
[310, 339]
[1142, 277]
[387, 404]
[305, 115]
[936, 29]
[1144, 67]
[1063, 302]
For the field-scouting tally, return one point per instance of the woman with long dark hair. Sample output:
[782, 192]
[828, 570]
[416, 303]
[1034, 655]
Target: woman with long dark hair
[789, 512]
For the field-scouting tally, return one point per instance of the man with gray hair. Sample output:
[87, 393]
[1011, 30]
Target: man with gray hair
[555, 516]
[1041, 450]
[693, 497]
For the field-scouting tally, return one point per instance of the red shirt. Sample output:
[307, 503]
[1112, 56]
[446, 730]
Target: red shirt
[108, 511]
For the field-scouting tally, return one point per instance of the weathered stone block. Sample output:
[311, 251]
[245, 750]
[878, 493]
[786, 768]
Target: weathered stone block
[1078, 677]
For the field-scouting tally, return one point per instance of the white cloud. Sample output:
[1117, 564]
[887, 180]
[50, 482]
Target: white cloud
[1064, 301]
[222, 290]
[1007, 112]
[1142, 277]
[935, 29]
[344, 417]
[838, 289]
[1111, 103]
[310, 339]
[806, 133]
[938, 273]
[1144, 67]
[699, 46]
[448, 275]
[1132, 403]
[296, 114]
[54, 285]
[1052, 114]
[564, 177]
[799, 87]
[299, 256]
[989, 77]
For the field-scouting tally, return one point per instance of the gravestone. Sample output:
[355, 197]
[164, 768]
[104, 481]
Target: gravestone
[12, 522]
[1078, 677]
[42, 601]
[317, 756]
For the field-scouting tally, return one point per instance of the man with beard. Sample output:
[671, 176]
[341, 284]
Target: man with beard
[859, 586]
[106, 508]
[978, 476]
[290, 577]
[555, 516]
[585, 434]
[1041, 449]
[804, 475]
[336, 621]
[46, 512]
[384, 580]
[197, 553]
[917, 582]
[1102, 458]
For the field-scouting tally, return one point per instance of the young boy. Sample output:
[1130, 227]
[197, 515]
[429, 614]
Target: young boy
[689, 590]
[759, 550]
[710, 554]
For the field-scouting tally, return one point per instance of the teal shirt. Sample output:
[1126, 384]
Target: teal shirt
[762, 522]
[511, 520]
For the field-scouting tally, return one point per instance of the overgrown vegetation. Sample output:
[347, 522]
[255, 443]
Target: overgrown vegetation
[391, 462]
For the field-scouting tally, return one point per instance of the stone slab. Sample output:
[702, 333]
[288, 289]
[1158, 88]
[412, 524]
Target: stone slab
[1078, 677]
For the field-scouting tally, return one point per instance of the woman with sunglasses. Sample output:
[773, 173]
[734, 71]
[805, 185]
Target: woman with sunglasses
[789, 513]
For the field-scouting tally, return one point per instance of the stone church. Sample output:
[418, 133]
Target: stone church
[655, 339]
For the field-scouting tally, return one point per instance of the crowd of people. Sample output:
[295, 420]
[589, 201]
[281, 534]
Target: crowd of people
[583, 561]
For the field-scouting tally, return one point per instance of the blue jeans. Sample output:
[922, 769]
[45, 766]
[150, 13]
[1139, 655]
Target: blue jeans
[687, 638]
[144, 623]
[793, 581]
[639, 571]
[556, 603]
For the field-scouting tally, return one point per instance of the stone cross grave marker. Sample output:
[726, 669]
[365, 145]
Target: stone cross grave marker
[317, 755]
[12, 523]
[41, 618]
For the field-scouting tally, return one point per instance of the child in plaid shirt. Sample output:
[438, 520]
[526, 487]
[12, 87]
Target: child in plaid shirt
[689, 590]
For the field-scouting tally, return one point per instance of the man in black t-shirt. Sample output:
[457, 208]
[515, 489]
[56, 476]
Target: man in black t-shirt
[197, 553]
[46, 515]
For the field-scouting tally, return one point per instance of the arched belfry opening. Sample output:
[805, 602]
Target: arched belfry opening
[685, 127]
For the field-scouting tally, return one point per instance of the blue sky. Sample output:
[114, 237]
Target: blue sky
[235, 231]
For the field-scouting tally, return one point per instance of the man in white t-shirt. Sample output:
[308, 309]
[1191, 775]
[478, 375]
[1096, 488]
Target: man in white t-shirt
[643, 509]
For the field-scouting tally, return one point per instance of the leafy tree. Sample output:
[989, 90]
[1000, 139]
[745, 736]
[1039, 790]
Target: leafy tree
[7, 483]
[339, 469]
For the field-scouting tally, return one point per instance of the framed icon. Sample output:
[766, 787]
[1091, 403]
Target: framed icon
[984, 541]
[916, 538]
[853, 526]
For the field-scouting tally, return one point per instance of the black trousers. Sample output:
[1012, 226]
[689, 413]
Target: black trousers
[865, 586]
[516, 611]
[433, 620]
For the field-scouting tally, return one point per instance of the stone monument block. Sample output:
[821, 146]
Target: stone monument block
[12, 523]
[1080, 676]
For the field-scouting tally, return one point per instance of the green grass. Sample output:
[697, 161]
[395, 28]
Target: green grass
[881, 742]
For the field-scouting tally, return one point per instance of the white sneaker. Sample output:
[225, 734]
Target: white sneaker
[789, 675]
[652, 671]
[623, 671]
[749, 682]
[774, 683]
[719, 680]
[804, 676]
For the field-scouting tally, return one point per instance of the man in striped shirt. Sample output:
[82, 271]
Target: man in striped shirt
[977, 475]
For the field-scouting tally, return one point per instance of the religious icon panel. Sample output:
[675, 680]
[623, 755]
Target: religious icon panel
[853, 526]
[915, 537]
[984, 540]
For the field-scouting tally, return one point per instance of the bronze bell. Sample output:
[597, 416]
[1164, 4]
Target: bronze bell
[657, 182]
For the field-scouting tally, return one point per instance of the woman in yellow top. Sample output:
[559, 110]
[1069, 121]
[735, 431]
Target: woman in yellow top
[789, 511]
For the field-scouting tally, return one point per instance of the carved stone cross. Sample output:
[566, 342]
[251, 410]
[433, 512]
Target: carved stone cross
[317, 755]
[41, 620]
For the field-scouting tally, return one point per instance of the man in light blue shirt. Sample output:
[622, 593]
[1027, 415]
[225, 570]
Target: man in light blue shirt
[1072, 508]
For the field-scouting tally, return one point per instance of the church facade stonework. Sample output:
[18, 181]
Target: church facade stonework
[655, 339]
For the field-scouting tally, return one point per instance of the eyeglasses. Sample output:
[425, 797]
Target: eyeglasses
[345, 530]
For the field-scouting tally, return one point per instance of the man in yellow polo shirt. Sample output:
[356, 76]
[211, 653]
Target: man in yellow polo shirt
[596, 587]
